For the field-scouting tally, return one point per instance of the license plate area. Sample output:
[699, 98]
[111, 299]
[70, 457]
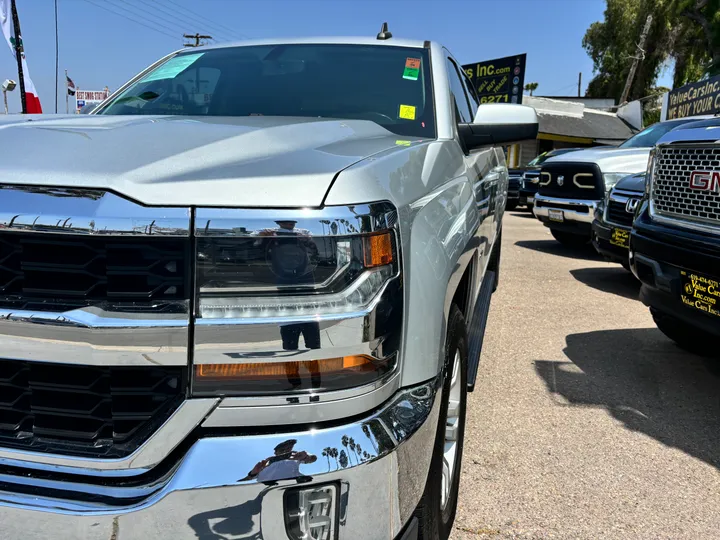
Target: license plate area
[700, 292]
[620, 237]
[556, 215]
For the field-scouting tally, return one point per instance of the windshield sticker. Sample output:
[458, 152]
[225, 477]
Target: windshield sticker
[407, 112]
[172, 68]
[402, 143]
[412, 69]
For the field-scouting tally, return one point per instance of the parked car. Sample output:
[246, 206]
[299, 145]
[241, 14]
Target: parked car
[531, 176]
[572, 186]
[248, 311]
[675, 240]
[614, 217]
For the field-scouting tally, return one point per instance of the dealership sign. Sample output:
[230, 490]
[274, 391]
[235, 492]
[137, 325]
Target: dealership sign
[500, 80]
[89, 97]
[694, 99]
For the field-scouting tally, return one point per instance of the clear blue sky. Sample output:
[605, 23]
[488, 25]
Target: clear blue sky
[99, 48]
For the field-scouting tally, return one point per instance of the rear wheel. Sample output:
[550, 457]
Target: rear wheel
[570, 239]
[436, 511]
[687, 337]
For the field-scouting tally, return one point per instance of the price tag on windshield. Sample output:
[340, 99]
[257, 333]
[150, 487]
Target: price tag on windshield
[412, 69]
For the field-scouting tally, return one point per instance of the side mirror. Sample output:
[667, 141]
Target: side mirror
[499, 124]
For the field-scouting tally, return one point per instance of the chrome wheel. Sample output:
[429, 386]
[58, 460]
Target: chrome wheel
[452, 426]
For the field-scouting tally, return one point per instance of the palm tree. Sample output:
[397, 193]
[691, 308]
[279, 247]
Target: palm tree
[351, 443]
[345, 441]
[530, 87]
[327, 452]
[358, 450]
[343, 459]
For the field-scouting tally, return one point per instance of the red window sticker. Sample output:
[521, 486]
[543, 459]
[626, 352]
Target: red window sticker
[412, 63]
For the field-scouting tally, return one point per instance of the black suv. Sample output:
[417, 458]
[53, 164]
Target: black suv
[675, 240]
[614, 217]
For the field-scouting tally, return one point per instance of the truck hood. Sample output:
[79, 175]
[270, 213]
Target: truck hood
[628, 160]
[634, 182]
[189, 161]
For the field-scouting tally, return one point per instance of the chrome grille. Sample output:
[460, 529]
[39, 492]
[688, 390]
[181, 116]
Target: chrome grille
[672, 195]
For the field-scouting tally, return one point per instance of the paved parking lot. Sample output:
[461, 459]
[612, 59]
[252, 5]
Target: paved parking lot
[586, 421]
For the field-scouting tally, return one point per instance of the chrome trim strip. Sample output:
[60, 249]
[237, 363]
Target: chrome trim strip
[302, 408]
[175, 429]
[622, 197]
[583, 175]
[570, 215]
[91, 336]
[328, 221]
[85, 211]
[681, 223]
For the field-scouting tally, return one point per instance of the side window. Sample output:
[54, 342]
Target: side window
[457, 90]
[472, 95]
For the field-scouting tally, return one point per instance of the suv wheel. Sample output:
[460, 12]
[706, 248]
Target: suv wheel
[687, 337]
[436, 511]
[511, 205]
[530, 207]
[570, 239]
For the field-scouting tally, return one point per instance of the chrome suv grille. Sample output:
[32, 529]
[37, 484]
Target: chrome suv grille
[84, 410]
[58, 271]
[672, 195]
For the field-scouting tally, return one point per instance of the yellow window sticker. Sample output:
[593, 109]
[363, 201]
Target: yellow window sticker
[402, 143]
[407, 112]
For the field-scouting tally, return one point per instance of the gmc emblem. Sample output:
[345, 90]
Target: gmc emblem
[705, 180]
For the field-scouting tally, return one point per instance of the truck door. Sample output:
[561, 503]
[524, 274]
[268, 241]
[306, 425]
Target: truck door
[481, 165]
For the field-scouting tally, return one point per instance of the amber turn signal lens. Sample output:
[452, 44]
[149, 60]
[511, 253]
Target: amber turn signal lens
[377, 250]
[268, 370]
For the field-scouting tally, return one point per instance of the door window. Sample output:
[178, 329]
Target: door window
[457, 90]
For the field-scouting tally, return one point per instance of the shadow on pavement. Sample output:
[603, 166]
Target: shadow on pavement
[613, 280]
[553, 247]
[523, 213]
[643, 380]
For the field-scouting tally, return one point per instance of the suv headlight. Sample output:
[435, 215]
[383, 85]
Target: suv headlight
[291, 300]
[613, 178]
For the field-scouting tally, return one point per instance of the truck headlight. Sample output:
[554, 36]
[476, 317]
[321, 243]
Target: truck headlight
[613, 178]
[293, 300]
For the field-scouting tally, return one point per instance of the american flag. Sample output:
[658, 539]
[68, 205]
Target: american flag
[70, 86]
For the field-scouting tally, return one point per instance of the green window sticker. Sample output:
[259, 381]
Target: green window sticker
[172, 68]
[412, 69]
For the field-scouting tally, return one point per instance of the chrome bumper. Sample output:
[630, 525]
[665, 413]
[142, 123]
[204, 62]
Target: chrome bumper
[544, 203]
[225, 487]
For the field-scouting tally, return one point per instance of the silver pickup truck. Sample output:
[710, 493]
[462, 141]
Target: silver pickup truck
[246, 296]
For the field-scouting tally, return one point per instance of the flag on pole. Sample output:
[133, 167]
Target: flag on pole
[32, 101]
[70, 86]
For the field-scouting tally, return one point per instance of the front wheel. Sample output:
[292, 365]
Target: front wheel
[530, 207]
[569, 239]
[687, 337]
[511, 205]
[436, 511]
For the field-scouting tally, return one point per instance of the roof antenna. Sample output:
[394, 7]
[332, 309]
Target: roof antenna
[384, 34]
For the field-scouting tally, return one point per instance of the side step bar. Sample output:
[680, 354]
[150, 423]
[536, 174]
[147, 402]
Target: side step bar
[476, 332]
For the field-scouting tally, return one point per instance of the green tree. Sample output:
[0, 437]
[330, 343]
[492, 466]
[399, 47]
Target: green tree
[686, 32]
[531, 87]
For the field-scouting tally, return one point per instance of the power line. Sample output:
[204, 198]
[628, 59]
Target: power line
[153, 21]
[182, 19]
[133, 20]
[208, 21]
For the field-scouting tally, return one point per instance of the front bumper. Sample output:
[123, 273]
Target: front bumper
[235, 487]
[578, 214]
[601, 240]
[658, 253]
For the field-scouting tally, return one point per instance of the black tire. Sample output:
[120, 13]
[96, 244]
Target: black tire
[687, 337]
[434, 522]
[569, 239]
[511, 205]
[626, 265]
[530, 207]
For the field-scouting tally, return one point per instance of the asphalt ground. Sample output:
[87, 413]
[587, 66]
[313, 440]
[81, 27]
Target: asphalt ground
[586, 422]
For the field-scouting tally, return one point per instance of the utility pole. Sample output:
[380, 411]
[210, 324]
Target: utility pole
[579, 82]
[19, 54]
[636, 60]
[197, 38]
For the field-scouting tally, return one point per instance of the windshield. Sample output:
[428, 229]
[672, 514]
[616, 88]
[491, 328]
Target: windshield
[651, 135]
[387, 85]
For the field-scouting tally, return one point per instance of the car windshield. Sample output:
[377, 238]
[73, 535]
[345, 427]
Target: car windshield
[384, 84]
[648, 137]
